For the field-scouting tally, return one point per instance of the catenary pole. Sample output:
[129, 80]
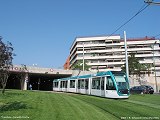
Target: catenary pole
[154, 63]
[83, 56]
[126, 54]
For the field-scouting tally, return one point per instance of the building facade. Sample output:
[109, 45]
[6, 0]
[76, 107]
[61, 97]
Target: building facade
[105, 53]
[66, 65]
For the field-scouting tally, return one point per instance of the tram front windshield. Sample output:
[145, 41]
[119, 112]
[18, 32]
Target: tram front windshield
[121, 82]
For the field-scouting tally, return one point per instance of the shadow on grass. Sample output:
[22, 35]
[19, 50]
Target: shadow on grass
[13, 106]
[11, 94]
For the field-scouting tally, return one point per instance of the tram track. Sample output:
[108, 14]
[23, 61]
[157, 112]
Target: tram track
[120, 108]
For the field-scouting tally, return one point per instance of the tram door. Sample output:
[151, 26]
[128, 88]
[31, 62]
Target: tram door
[78, 88]
[110, 88]
[102, 86]
[83, 86]
[86, 83]
[63, 86]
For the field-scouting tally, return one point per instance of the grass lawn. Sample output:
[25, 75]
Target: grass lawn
[36, 105]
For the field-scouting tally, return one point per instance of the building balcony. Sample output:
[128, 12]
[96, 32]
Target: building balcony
[150, 61]
[140, 49]
[90, 57]
[107, 69]
[144, 55]
[101, 51]
[91, 45]
[106, 63]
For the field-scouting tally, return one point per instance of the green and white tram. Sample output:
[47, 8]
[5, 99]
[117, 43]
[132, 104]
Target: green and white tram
[106, 84]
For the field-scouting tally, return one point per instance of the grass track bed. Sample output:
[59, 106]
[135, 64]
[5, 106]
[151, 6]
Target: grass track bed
[64, 106]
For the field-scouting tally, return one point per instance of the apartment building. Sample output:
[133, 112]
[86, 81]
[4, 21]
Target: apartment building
[108, 53]
[105, 53]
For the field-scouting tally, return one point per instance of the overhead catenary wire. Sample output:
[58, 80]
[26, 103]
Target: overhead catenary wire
[151, 2]
[140, 10]
[156, 35]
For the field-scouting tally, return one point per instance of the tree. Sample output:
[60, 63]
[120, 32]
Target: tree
[133, 63]
[148, 67]
[136, 68]
[6, 53]
[79, 65]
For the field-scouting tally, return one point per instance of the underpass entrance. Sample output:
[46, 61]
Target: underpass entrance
[38, 81]
[13, 81]
[43, 81]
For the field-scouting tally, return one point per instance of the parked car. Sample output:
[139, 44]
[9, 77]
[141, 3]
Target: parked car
[149, 89]
[144, 89]
[138, 90]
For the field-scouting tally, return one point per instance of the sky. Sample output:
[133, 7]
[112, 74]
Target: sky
[42, 31]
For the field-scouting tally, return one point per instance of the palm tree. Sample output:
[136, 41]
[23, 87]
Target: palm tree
[136, 68]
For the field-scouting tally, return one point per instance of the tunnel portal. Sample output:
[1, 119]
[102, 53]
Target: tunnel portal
[38, 81]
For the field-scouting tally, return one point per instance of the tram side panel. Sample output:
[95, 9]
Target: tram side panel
[72, 86]
[86, 86]
[63, 86]
[55, 86]
[102, 86]
[83, 86]
[97, 86]
[89, 86]
[80, 86]
[110, 88]
[68, 86]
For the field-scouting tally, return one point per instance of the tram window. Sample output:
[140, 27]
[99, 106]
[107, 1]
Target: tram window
[81, 84]
[96, 83]
[63, 84]
[78, 84]
[56, 84]
[86, 83]
[66, 84]
[93, 84]
[102, 83]
[72, 84]
[110, 84]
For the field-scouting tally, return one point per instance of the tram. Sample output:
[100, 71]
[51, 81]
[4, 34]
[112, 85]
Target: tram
[108, 84]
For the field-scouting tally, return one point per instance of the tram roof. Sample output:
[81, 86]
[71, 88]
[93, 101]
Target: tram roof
[99, 74]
